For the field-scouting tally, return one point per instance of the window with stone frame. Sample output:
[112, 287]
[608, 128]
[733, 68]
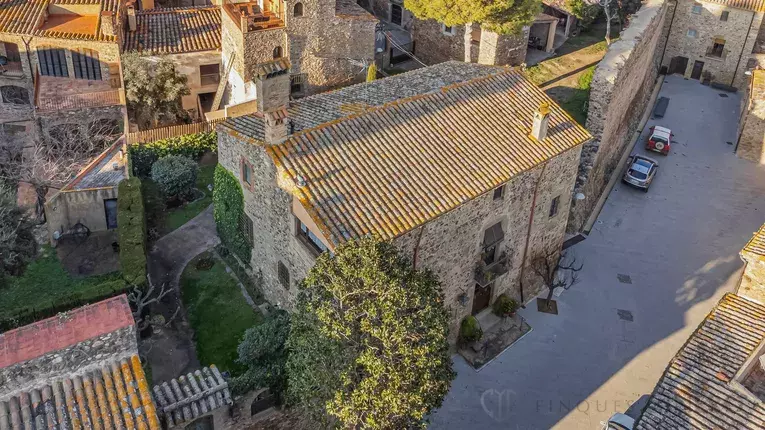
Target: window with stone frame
[697, 8]
[499, 192]
[297, 83]
[14, 95]
[284, 275]
[246, 169]
[554, 206]
[447, 30]
[717, 50]
[297, 11]
[278, 52]
[492, 238]
[396, 14]
[691, 32]
[724, 15]
[245, 227]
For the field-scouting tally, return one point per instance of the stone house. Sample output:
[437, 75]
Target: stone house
[717, 379]
[715, 40]
[60, 66]
[401, 31]
[751, 140]
[467, 168]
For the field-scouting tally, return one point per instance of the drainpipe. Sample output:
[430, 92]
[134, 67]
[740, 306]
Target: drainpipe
[666, 42]
[528, 231]
[749, 30]
[417, 247]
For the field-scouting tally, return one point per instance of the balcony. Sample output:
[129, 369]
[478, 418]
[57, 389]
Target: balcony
[251, 17]
[12, 69]
[487, 273]
[55, 93]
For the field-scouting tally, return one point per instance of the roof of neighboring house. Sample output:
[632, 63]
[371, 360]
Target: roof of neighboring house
[385, 157]
[350, 9]
[190, 396]
[756, 244]
[695, 391]
[27, 17]
[752, 5]
[175, 30]
[63, 330]
[113, 396]
[101, 172]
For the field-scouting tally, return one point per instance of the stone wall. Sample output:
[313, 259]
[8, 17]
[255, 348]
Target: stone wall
[450, 245]
[68, 208]
[752, 285]
[503, 49]
[82, 357]
[740, 32]
[433, 46]
[751, 143]
[621, 88]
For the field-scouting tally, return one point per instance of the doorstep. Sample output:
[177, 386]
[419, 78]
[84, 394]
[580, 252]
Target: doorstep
[499, 333]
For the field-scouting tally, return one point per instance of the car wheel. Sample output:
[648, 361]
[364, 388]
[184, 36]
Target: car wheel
[645, 190]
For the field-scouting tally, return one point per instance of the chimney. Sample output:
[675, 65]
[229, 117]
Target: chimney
[108, 26]
[539, 125]
[272, 89]
[276, 126]
[132, 24]
[147, 4]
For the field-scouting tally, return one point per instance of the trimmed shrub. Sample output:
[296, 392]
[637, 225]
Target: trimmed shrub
[470, 330]
[228, 207]
[131, 222]
[504, 306]
[143, 156]
[175, 175]
[154, 203]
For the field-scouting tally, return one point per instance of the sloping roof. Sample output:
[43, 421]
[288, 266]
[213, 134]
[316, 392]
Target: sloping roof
[63, 330]
[694, 391]
[191, 396]
[756, 244]
[114, 396]
[388, 169]
[26, 17]
[753, 5]
[100, 173]
[175, 30]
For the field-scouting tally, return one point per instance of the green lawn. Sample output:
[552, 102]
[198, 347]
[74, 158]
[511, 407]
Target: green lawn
[45, 284]
[183, 214]
[217, 312]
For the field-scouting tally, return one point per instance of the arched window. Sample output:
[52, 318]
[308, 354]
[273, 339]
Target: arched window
[278, 53]
[14, 95]
[298, 10]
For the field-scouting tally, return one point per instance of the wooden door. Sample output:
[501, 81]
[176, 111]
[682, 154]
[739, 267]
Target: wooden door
[481, 298]
[698, 66]
[110, 207]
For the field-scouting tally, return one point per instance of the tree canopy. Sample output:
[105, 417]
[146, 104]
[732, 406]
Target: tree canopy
[500, 16]
[17, 242]
[263, 352]
[368, 343]
[153, 90]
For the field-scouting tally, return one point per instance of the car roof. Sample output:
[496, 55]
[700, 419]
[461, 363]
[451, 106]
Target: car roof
[643, 157]
[661, 131]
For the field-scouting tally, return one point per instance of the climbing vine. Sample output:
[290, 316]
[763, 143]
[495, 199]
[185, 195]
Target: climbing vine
[228, 201]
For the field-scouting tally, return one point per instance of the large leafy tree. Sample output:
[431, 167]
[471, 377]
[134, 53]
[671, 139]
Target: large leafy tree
[264, 354]
[153, 90]
[501, 16]
[368, 343]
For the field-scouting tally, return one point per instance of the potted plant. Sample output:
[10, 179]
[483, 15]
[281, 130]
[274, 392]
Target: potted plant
[505, 306]
[470, 331]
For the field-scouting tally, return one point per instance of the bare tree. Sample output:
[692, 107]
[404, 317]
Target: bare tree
[556, 270]
[142, 297]
[609, 7]
[50, 162]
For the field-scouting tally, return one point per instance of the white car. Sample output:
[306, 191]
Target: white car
[619, 422]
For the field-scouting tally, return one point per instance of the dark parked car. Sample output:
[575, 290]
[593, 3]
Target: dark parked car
[640, 172]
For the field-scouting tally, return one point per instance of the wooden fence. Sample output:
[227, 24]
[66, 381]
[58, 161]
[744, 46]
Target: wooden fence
[148, 136]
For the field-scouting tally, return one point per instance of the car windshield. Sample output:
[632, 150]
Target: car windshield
[637, 174]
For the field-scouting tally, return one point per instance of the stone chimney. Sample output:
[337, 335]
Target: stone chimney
[272, 89]
[131, 19]
[539, 124]
[147, 4]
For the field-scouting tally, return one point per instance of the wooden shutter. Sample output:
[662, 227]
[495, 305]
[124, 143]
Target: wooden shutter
[52, 62]
[86, 64]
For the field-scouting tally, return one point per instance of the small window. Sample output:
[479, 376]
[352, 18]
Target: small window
[298, 9]
[245, 227]
[491, 240]
[718, 48]
[691, 32]
[246, 173]
[447, 30]
[14, 95]
[696, 8]
[278, 52]
[12, 52]
[297, 82]
[396, 14]
[209, 74]
[724, 15]
[499, 192]
[284, 275]
[554, 206]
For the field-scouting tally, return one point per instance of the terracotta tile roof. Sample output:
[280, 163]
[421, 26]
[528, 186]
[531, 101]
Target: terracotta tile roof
[113, 396]
[100, 173]
[191, 396]
[753, 5]
[394, 167]
[175, 30]
[65, 329]
[695, 391]
[756, 244]
[27, 17]
[350, 9]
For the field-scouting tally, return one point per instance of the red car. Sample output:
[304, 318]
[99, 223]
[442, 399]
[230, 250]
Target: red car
[659, 140]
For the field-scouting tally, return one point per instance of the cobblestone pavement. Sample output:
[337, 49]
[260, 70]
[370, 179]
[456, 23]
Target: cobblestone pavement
[675, 249]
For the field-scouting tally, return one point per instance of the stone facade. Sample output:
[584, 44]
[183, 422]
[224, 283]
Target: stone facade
[188, 64]
[751, 141]
[621, 87]
[714, 39]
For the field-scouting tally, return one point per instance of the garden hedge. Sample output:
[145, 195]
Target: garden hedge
[175, 175]
[131, 222]
[193, 146]
[228, 205]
